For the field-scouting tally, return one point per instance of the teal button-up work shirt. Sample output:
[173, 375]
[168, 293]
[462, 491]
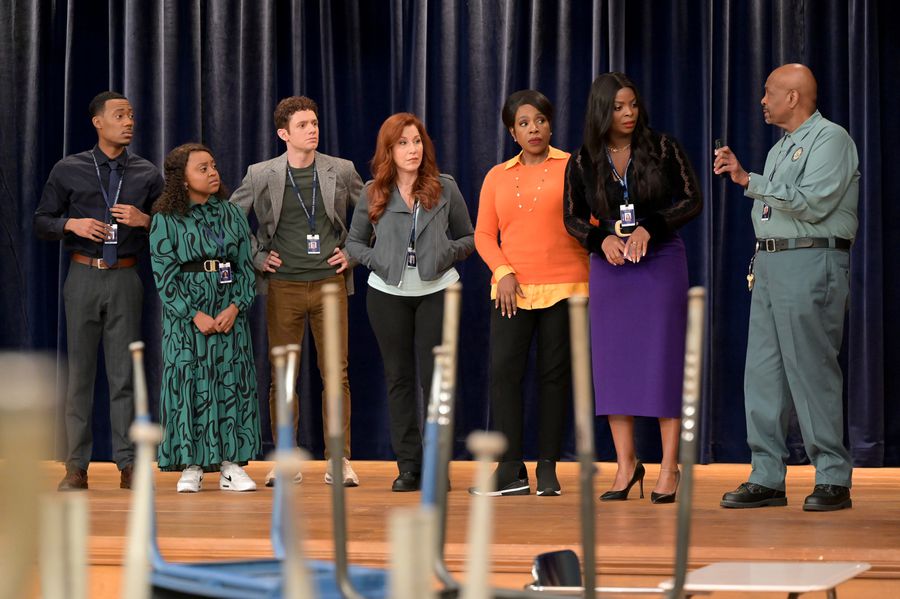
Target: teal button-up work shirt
[810, 182]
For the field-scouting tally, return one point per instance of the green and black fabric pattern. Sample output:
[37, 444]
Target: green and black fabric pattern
[209, 408]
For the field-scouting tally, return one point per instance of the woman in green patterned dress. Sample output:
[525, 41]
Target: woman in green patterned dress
[200, 249]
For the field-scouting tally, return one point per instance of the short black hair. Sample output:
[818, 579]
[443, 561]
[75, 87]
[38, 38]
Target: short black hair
[522, 97]
[99, 102]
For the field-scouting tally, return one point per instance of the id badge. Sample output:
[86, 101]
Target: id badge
[410, 258]
[225, 274]
[112, 238]
[626, 215]
[312, 245]
[766, 213]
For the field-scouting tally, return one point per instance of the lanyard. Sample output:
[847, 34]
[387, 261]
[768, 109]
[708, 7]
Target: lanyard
[779, 160]
[218, 238]
[100, 181]
[310, 217]
[415, 220]
[623, 181]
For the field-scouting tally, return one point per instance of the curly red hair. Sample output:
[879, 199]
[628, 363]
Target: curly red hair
[426, 189]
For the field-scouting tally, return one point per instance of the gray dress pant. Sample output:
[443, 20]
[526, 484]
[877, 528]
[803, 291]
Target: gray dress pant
[796, 328]
[100, 305]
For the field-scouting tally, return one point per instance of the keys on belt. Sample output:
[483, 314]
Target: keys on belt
[797, 243]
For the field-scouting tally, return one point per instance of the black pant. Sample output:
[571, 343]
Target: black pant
[407, 329]
[100, 304]
[510, 344]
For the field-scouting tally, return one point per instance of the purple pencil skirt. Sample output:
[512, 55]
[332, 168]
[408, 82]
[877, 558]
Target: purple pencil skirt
[638, 319]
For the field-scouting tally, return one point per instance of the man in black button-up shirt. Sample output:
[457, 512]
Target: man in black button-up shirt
[98, 202]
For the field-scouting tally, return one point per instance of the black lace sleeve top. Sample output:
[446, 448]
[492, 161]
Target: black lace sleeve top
[675, 201]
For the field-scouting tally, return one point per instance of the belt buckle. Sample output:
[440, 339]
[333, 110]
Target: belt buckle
[102, 265]
[619, 232]
[210, 265]
[770, 246]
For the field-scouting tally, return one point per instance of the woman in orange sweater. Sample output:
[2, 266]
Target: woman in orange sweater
[536, 267]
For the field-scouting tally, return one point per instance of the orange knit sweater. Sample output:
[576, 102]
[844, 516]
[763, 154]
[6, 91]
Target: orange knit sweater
[523, 203]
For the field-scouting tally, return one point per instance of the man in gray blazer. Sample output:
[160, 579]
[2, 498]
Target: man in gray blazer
[300, 200]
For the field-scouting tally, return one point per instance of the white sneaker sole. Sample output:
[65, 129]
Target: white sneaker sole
[235, 488]
[522, 490]
[348, 482]
[182, 487]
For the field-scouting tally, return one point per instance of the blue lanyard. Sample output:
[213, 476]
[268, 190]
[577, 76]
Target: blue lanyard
[623, 181]
[310, 217]
[217, 238]
[100, 181]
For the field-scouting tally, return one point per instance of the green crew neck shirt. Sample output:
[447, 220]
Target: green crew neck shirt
[293, 227]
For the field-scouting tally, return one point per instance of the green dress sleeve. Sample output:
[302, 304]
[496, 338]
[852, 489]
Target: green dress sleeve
[244, 289]
[166, 267]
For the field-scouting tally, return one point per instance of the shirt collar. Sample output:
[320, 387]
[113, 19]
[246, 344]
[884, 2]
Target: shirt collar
[807, 125]
[102, 158]
[552, 154]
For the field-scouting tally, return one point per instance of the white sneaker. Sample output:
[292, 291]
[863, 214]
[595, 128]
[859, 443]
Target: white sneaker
[190, 480]
[270, 478]
[233, 478]
[349, 476]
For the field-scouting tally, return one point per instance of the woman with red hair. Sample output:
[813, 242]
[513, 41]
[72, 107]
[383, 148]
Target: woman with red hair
[410, 227]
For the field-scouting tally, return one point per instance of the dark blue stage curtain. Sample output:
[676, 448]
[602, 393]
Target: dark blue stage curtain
[213, 71]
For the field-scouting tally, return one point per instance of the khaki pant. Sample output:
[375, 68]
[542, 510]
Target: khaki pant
[288, 306]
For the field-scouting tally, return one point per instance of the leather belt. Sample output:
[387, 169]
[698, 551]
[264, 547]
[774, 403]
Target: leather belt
[99, 264]
[799, 243]
[211, 265]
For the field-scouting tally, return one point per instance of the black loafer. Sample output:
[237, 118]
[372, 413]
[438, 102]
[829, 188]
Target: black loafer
[753, 495]
[828, 498]
[406, 482]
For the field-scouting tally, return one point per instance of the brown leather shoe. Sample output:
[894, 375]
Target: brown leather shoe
[125, 476]
[75, 480]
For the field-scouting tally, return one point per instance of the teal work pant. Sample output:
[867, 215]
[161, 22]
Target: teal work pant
[796, 328]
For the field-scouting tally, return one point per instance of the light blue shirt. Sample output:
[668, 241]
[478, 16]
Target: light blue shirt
[810, 182]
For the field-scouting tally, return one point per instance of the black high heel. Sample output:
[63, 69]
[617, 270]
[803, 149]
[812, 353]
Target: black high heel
[637, 477]
[666, 497]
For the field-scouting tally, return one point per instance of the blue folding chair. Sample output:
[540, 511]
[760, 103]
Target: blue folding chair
[242, 579]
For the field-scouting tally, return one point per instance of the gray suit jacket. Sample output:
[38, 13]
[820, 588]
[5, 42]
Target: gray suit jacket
[263, 190]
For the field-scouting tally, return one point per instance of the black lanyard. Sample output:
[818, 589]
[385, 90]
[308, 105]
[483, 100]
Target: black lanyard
[310, 216]
[623, 181]
[412, 231]
[100, 181]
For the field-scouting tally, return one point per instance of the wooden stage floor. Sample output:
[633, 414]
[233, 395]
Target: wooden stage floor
[635, 539]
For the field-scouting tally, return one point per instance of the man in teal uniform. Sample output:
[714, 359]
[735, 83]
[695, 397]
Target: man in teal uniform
[804, 216]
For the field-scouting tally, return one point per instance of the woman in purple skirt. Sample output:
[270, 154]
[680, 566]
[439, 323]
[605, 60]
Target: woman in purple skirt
[628, 191]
